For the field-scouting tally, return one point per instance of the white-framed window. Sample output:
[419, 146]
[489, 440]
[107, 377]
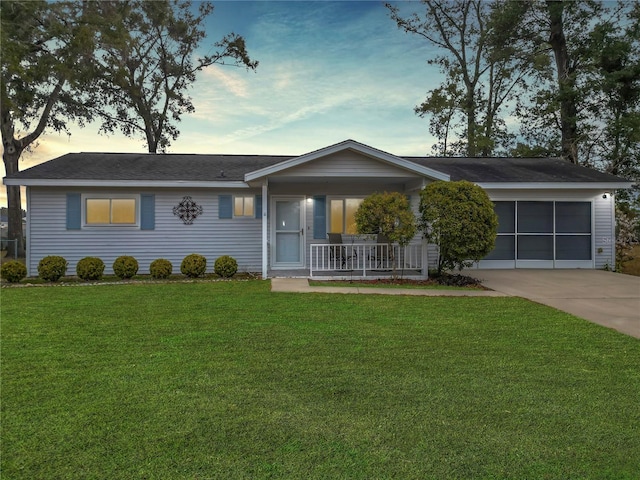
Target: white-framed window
[110, 210]
[342, 215]
[243, 206]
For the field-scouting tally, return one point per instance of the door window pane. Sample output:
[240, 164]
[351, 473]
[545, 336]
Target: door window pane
[573, 247]
[287, 216]
[535, 217]
[506, 212]
[535, 247]
[505, 248]
[573, 217]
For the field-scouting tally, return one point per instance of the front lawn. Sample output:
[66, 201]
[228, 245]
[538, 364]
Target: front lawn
[228, 380]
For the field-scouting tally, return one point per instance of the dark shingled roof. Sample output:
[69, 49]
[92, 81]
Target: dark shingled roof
[490, 170]
[149, 166]
[192, 167]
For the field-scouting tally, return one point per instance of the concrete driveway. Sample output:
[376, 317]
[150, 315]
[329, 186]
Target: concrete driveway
[606, 298]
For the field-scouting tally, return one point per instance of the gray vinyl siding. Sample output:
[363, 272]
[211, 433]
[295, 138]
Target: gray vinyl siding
[345, 164]
[604, 232]
[171, 238]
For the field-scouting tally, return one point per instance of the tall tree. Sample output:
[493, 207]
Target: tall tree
[482, 66]
[47, 50]
[148, 59]
[589, 89]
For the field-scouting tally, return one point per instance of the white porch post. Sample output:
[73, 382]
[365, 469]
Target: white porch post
[425, 258]
[265, 243]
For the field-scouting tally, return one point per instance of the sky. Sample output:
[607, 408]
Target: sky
[329, 71]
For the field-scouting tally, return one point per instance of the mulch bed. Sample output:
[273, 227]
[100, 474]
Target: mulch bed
[448, 280]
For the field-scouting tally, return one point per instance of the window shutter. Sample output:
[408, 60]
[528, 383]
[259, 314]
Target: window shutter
[225, 206]
[74, 211]
[258, 206]
[320, 217]
[147, 212]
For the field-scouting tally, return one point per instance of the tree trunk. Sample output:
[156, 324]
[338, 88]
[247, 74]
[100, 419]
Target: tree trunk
[566, 82]
[470, 107]
[14, 198]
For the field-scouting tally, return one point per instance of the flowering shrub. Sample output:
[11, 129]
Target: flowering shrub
[626, 238]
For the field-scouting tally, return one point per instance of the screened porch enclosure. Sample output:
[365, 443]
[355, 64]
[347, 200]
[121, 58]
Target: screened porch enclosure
[543, 234]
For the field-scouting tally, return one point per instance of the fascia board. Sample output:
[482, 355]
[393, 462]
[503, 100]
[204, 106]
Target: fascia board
[555, 185]
[349, 145]
[31, 182]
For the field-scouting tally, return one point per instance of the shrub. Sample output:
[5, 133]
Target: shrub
[193, 265]
[160, 268]
[51, 268]
[125, 267]
[458, 217]
[389, 215]
[225, 266]
[13, 271]
[90, 268]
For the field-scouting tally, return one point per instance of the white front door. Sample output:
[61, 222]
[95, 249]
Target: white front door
[287, 232]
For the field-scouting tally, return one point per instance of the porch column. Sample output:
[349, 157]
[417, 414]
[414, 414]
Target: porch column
[265, 224]
[425, 259]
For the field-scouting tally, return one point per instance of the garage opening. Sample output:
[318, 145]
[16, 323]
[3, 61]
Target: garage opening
[542, 234]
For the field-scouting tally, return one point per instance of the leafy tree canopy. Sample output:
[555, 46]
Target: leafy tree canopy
[148, 60]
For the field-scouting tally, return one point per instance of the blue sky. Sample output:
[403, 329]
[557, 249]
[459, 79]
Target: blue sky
[328, 71]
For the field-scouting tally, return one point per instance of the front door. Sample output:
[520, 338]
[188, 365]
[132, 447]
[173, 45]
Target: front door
[287, 232]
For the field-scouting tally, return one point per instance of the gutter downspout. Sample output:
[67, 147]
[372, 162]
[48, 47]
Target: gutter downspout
[265, 243]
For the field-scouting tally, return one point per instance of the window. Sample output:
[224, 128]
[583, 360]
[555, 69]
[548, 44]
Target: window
[243, 206]
[342, 213]
[110, 211]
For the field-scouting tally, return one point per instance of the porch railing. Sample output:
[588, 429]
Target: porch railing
[363, 258]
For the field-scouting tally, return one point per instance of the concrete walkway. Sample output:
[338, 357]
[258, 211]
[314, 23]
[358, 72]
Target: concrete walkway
[606, 298]
[301, 285]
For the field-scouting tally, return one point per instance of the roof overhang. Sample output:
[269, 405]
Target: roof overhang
[123, 183]
[555, 185]
[347, 145]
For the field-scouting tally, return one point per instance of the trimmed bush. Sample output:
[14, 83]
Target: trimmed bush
[125, 267]
[225, 266]
[193, 265]
[51, 268]
[90, 268]
[160, 268]
[459, 217]
[13, 271]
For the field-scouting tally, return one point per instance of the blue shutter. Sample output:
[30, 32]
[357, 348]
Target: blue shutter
[225, 206]
[74, 211]
[147, 212]
[320, 217]
[258, 206]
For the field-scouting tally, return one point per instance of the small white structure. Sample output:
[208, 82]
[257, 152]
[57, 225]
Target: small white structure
[273, 213]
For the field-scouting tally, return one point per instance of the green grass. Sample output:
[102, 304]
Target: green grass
[229, 380]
